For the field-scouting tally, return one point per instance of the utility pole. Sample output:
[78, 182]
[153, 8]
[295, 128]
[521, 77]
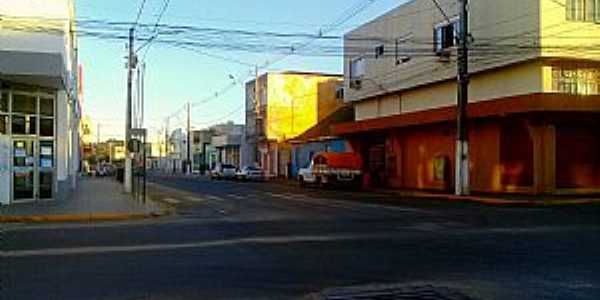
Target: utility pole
[130, 66]
[166, 144]
[131, 61]
[189, 144]
[462, 133]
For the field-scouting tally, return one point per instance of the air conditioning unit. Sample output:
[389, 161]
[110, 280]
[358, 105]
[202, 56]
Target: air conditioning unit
[356, 83]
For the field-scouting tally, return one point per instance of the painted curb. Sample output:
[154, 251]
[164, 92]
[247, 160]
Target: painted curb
[68, 218]
[498, 202]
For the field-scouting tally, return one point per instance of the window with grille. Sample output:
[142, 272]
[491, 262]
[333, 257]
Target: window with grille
[576, 81]
[583, 10]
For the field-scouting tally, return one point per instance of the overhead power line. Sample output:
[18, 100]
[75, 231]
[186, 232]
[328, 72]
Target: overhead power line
[139, 14]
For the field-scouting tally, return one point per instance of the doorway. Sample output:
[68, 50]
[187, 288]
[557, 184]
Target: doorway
[23, 172]
[33, 170]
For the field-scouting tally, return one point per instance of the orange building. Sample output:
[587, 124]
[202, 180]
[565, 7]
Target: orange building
[534, 106]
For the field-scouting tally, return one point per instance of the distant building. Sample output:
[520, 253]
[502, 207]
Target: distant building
[534, 111]
[227, 144]
[221, 143]
[39, 100]
[284, 106]
[201, 141]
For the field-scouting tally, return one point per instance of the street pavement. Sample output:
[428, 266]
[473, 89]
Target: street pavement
[232, 240]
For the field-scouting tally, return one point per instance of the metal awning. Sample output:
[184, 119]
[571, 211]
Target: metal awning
[33, 68]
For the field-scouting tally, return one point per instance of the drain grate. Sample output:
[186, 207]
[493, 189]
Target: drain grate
[425, 292]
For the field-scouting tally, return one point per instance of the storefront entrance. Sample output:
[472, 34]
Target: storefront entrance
[27, 144]
[33, 170]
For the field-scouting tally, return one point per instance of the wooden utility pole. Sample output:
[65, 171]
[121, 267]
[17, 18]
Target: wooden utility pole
[462, 134]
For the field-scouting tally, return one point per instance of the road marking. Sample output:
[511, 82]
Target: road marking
[351, 205]
[283, 196]
[236, 196]
[194, 245]
[171, 201]
[195, 199]
[214, 198]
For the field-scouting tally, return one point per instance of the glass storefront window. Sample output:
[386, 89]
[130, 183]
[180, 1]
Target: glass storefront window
[3, 124]
[47, 107]
[24, 104]
[19, 125]
[3, 102]
[32, 127]
[46, 127]
[28, 116]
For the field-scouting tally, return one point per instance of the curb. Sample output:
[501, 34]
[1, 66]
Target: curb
[496, 201]
[489, 201]
[69, 218]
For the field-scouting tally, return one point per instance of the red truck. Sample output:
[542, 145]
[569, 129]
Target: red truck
[332, 168]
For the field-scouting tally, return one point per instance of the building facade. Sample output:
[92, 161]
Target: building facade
[39, 100]
[281, 107]
[201, 141]
[534, 99]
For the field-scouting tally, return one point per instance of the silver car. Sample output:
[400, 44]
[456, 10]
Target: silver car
[250, 173]
[223, 171]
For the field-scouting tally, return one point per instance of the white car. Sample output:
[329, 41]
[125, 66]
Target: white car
[250, 173]
[223, 171]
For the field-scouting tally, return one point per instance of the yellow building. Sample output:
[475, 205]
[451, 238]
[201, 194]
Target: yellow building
[533, 94]
[287, 104]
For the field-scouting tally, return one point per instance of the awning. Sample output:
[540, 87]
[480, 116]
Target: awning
[547, 102]
[34, 68]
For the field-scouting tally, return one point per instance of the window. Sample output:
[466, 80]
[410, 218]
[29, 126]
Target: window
[24, 104]
[583, 10]
[47, 107]
[4, 102]
[444, 36]
[46, 127]
[357, 67]
[379, 51]
[19, 125]
[576, 81]
[3, 124]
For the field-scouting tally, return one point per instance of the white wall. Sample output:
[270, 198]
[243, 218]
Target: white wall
[62, 136]
[26, 15]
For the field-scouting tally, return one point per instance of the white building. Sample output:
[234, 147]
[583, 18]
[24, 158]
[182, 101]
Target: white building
[39, 100]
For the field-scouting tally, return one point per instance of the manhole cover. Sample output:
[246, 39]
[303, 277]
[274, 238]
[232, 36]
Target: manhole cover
[426, 292]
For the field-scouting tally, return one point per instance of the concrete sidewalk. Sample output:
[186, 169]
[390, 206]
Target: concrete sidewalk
[96, 199]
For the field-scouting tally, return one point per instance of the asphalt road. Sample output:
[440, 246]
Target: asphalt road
[233, 240]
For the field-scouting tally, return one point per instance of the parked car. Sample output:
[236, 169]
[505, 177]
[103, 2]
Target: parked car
[328, 168]
[223, 171]
[250, 173]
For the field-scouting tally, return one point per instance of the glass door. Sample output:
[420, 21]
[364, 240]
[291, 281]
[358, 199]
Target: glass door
[46, 170]
[24, 180]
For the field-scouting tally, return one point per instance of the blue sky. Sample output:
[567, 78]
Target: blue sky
[175, 76]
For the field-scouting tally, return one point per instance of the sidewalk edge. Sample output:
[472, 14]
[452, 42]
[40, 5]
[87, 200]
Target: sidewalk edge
[93, 217]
